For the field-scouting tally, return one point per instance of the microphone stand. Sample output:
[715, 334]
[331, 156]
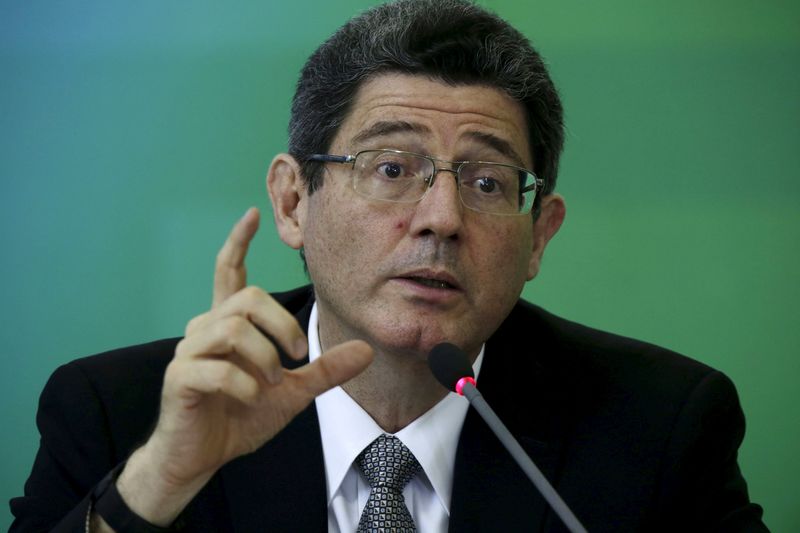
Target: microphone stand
[531, 470]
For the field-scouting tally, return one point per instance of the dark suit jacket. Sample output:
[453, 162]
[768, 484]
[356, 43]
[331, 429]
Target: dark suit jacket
[635, 438]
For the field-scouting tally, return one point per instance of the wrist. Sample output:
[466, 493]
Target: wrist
[147, 490]
[109, 509]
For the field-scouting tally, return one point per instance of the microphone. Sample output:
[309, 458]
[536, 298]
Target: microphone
[451, 368]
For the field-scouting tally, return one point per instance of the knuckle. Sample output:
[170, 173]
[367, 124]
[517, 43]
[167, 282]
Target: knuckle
[224, 377]
[195, 323]
[232, 328]
[221, 258]
[253, 294]
[172, 376]
[180, 351]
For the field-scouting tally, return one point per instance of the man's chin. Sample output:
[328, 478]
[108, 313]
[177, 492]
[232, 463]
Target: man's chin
[415, 341]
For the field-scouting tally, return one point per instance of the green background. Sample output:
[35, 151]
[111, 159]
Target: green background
[134, 134]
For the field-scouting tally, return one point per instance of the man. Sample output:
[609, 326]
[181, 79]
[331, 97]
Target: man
[423, 154]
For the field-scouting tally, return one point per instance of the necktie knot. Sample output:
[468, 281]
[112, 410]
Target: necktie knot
[387, 462]
[387, 466]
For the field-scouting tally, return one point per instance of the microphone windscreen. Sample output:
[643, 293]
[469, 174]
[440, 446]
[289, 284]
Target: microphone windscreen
[449, 364]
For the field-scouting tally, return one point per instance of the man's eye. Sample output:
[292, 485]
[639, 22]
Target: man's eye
[390, 170]
[488, 185]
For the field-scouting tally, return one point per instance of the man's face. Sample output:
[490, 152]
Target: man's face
[408, 276]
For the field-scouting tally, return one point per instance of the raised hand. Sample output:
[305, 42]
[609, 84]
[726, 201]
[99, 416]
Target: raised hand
[225, 392]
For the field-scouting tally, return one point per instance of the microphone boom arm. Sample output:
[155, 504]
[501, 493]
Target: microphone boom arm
[531, 470]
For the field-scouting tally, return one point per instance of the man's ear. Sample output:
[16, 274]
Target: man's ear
[287, 192]
[551, 216]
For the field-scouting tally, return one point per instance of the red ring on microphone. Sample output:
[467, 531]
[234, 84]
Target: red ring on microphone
[461, 382]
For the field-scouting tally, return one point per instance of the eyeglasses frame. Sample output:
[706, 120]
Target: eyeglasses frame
[536, 186]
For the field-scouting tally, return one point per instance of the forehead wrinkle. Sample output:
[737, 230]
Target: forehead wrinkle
[384, 128]
[453, 104]
[395, 101]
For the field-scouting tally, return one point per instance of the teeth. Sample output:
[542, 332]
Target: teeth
[435, 283]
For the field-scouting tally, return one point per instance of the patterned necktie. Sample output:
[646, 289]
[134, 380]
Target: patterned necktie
[388, 466]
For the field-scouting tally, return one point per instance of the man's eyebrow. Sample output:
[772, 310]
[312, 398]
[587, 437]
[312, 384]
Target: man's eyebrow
[388, 127]
[500, 145]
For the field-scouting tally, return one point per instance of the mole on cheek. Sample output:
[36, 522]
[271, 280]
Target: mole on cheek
[400, 224]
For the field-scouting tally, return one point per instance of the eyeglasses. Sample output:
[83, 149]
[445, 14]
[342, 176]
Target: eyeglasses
[398, 176]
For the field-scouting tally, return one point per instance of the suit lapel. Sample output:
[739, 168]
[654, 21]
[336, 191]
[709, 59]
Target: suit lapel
[490, 491]
[281, 486]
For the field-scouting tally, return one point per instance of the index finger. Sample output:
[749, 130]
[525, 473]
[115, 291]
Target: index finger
[230, 274]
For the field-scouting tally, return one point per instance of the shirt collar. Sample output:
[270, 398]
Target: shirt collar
[347, 429]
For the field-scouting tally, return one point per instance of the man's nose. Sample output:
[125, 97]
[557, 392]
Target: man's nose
[440, 211]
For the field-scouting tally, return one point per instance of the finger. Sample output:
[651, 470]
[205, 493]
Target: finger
[336, 366]
[239, 341]
[230, 274]
[214, 376]
[197, 323]
[264, 311]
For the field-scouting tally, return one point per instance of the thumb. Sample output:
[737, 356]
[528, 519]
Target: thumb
[336, 366]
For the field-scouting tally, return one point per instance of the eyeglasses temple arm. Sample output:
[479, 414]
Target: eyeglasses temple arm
[537, 185]
[326, 158]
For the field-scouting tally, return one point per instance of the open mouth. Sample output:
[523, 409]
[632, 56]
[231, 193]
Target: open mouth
[428, 282]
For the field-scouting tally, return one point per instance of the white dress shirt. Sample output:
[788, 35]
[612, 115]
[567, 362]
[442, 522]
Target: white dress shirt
[347, 429]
